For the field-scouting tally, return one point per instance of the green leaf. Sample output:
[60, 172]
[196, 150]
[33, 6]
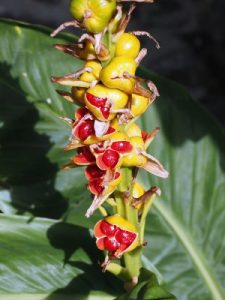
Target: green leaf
[43, 259]
[185, 229]
[148, 288]
[185, 232]
[27, 157]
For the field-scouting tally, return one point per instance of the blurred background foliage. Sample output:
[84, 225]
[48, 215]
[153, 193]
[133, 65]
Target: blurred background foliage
[191, 34]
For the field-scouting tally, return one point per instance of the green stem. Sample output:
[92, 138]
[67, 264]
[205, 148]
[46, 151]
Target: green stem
[132, 260]
[103, 211]
[147, 206]
[118, 271]
[120, 204]
[125, 184]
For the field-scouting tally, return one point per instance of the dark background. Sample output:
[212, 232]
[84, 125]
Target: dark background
[191, 34]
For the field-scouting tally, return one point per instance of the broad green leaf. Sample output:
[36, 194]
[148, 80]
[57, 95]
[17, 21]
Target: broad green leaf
[185, 230]
[148, 288]
[185, 233]
[27, 163]
[47, 260]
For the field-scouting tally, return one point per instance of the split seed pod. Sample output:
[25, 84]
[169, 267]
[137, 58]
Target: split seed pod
[116, 235]
[102, 101]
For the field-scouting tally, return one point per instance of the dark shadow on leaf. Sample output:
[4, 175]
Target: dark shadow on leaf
[69, 239]
[24, 168]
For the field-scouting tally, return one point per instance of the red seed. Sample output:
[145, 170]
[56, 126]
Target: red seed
[108, 229]
[117, 175]
[81, 112]
[110, 158]
[105, 111]
[93, 172]
[85, 154]
[110, 130]
[100, 244]
[111, 244]
[144, 135]
[99, 148]
[121, 146]
[86, 129]
[95, 186]
[125, 237]
[96, 101]
[99, 103]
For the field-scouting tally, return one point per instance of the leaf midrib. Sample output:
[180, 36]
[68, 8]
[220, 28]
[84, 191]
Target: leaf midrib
[193, 250]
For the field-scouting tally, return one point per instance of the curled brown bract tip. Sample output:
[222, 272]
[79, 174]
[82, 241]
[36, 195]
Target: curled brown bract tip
[72, 50]
[125, 21]
[153, 190]
[145, 33]
[66, 95]
[63, 26]
[141, 55]
[154, 167]
[149, 136]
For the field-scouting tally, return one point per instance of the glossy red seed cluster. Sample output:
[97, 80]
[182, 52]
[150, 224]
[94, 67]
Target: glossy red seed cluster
[96, 101]
[104, 157]
[100, 103]
[116, 237]
[95, 177]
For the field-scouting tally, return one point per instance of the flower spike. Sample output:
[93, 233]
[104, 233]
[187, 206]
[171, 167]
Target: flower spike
[108, 143]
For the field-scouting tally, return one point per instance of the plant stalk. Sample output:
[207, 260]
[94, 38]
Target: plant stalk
[131, 260]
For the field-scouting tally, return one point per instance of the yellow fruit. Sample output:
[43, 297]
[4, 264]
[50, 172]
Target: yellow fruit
[127, 45]
[78, 94]
[113, 74]
[135, 158]
[119, 136]
[121, 223]
[134, 130]
[138, 190]
[139, 104]
[94, 14]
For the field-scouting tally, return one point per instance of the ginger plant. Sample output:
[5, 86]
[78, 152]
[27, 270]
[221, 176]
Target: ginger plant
[108, 141]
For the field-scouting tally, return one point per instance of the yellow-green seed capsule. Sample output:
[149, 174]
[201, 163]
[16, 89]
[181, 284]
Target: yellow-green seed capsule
[113, 75]
[127, 45]
[93, 14]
